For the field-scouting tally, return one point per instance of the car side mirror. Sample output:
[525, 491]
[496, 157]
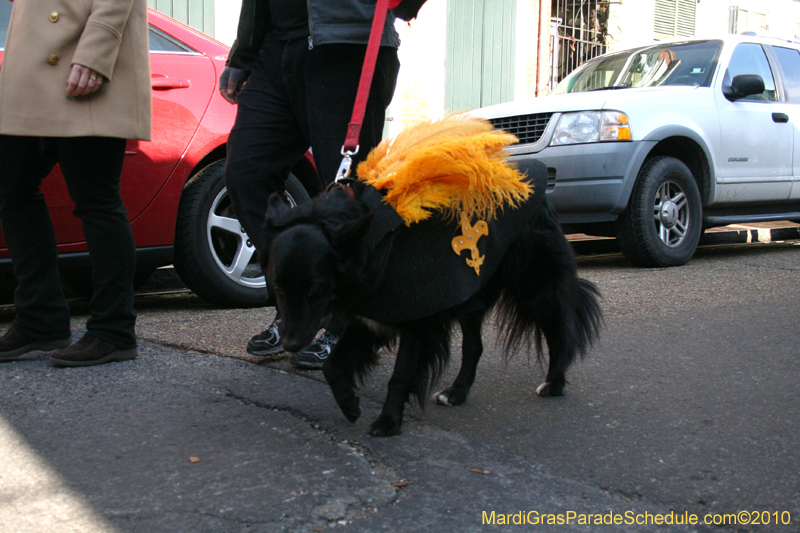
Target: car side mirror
[742, 86]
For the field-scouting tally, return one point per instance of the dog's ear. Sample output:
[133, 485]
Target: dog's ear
[276, 215]
[350, 244]
[276, 209]
[349, 240]
[274, 220]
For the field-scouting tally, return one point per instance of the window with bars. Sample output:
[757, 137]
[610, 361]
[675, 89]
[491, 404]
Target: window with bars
[581, 29]
[674, 18]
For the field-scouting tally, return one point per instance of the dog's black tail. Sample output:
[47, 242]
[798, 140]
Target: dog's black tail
[542, 296]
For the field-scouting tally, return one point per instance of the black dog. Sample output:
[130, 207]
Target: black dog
[338, 253]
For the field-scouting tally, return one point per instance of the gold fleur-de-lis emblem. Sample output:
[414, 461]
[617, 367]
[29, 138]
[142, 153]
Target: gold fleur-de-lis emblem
[468, 240]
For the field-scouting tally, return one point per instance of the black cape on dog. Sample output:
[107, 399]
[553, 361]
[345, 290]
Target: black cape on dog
[402, 258]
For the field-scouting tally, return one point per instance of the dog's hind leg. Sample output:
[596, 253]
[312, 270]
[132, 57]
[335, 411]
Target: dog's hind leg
[472, 349]
[569, 329]
[351, 358]
[421, 356]
[545, 296]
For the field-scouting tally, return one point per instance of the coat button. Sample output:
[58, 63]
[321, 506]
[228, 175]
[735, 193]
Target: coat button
[53, 60]
[54, 16]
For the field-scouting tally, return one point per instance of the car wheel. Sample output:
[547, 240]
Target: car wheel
[663, 221]
[213, 254]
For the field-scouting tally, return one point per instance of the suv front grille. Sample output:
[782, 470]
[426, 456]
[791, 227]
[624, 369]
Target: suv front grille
[527, 128]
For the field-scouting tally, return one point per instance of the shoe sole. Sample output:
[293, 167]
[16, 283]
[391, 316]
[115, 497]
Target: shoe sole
[41, 345]
[306, 366]
[116, 356]
[264, 353]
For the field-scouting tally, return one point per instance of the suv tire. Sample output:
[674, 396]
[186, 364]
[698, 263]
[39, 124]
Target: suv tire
[213, 255]
[663, 221]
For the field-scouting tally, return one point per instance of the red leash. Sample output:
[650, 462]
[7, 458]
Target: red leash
[351, 146]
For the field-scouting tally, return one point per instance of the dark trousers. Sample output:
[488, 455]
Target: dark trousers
[294, 99]
[91, 168]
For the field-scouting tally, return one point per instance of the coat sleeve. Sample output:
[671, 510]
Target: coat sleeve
[253, 26]
[99, 43]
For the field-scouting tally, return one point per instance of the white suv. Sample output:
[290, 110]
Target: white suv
[654, 144]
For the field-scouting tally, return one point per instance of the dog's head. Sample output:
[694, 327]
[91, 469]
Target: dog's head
[314, 250]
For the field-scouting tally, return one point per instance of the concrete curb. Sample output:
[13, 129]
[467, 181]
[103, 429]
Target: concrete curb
[713, 237]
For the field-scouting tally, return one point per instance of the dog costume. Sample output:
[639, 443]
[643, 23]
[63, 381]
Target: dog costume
[444, 200]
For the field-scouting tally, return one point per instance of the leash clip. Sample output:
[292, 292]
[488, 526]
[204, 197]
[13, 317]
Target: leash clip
[347, 162]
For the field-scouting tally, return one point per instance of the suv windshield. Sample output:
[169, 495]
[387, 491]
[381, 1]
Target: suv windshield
[690, 63]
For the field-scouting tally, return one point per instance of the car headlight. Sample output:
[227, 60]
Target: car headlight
[591, 127]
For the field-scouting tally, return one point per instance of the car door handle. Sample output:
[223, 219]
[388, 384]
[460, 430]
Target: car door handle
[780, 118]
[160, 82]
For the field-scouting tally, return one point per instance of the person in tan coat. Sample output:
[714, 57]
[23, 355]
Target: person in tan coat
[74, 85]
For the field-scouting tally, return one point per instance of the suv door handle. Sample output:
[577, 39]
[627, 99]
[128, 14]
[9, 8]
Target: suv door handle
[780, 117]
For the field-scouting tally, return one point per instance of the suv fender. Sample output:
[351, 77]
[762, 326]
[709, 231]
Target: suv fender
[652, 144]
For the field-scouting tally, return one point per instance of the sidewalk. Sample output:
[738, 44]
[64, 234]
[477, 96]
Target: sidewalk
[178, 440]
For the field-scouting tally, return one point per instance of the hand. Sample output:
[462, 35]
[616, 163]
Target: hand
[230, 83]
[83, 80]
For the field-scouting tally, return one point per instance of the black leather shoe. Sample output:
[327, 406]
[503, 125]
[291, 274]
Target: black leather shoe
[91, 351]
[14, 344]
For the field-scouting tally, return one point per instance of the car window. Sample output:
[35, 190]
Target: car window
[749, 58]
[161, 42]
[5, 16]
[789, 60]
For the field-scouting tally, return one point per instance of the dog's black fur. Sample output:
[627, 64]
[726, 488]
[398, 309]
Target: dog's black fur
[319, 262]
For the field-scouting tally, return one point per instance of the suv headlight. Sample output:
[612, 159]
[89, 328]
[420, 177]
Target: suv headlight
[591, 127]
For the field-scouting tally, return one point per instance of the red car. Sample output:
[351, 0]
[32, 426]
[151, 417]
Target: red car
[173, 186]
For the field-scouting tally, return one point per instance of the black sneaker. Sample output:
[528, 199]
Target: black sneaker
[268, 342]
[312, 357]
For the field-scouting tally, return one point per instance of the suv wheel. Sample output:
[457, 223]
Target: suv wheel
[213, 254]
[663, 221]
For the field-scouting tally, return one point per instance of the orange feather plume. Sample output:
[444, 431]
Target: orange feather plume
[454, 165]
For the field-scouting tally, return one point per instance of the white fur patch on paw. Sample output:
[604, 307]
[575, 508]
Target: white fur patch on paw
[541, 387]
[441, 398]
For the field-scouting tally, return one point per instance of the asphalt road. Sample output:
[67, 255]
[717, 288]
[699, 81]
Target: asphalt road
[688, 404]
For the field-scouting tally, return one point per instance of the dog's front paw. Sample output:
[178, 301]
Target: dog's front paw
[350, 406]
[451, 396]
[550, 389]
[384, 426]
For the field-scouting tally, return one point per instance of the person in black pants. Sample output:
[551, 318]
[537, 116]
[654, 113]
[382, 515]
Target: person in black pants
[72, 99]
[91, 168]
[302, 62]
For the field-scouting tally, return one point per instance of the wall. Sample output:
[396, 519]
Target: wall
[782, 16]
[419, 94]
[533, 50]
[631, 21]
[420, 87]
[227, 12]
[625, 23]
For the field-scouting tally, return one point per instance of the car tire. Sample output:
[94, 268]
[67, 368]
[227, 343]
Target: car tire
[213, 254]
[663, 221]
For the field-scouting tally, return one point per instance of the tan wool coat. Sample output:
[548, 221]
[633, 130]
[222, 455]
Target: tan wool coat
[45, 37]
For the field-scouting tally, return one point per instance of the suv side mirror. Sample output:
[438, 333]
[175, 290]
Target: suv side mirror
[742, 86]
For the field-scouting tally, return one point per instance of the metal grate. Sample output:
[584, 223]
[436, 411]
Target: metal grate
[527, 128]
[577, 34]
